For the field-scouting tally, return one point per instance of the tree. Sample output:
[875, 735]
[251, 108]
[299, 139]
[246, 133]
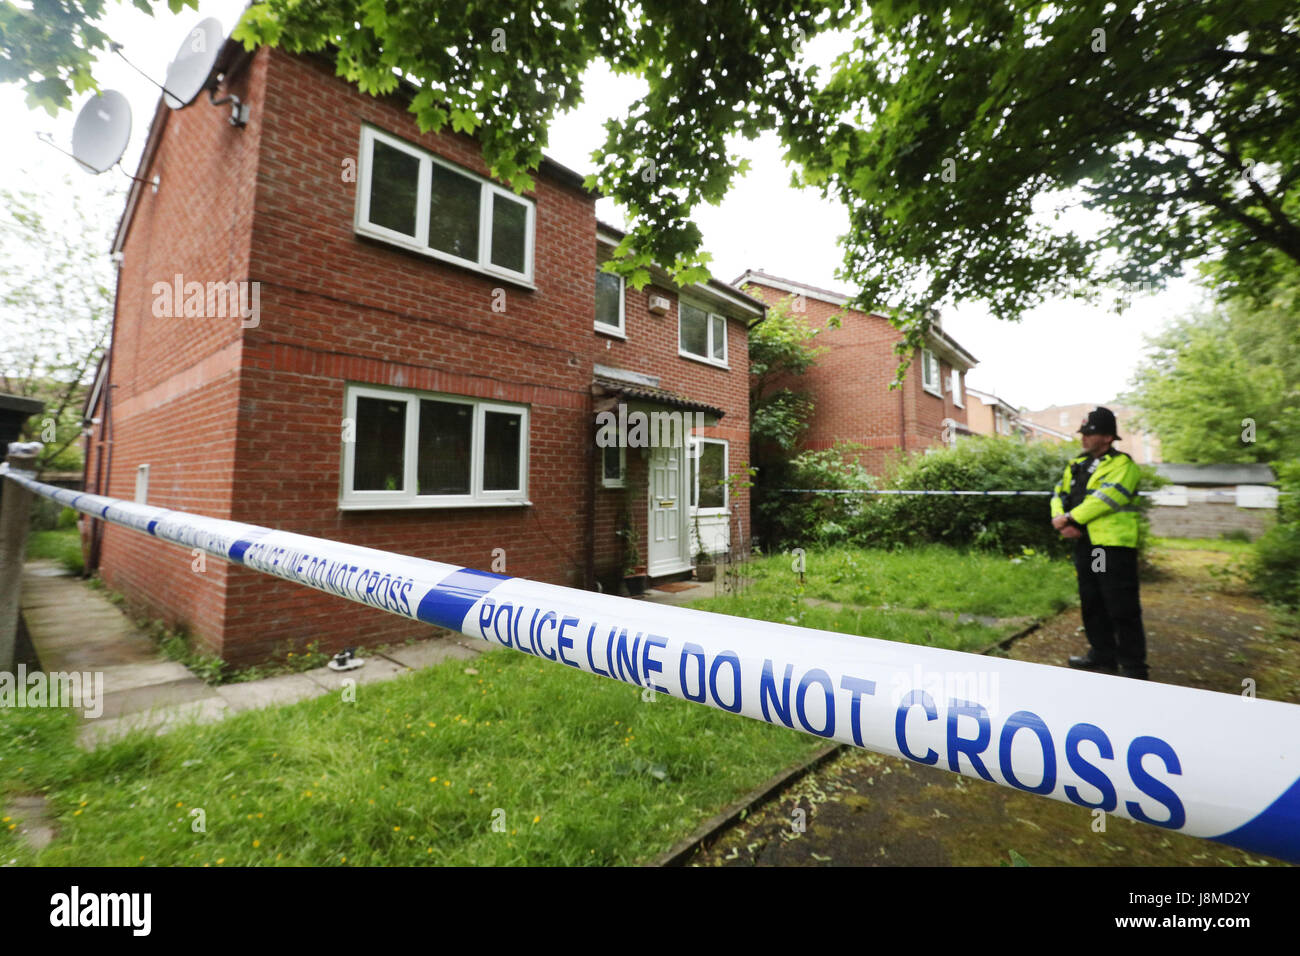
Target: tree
[780, 349]
[50, 46]
[56, 311]
[939, 130]
[1175, 119]
[1224, 385]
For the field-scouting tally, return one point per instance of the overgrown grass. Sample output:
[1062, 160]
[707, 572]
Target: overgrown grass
[930, 628]
[1225, 545]
[62, 545]
[931, 577]
[578, 769]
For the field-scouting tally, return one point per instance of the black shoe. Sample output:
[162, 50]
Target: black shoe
[1136, 673]
[1089, 663]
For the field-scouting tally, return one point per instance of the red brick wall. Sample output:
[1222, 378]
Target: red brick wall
[248, 425]
[849, 385]
[651, 347]
[175, 380]
[338, 309]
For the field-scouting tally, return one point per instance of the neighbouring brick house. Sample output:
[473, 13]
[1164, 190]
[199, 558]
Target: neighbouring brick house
[1142, 447]
[421, 371]
[849, 383]
[990, 415]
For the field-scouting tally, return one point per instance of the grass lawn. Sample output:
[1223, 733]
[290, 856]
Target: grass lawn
[578, 769]
[929, 627]
[932, 578]
[1203, 544]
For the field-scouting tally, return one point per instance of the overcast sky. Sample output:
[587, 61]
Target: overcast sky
[1061, 353]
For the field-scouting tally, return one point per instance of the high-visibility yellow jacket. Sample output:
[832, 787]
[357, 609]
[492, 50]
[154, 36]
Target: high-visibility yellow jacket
[1105, 503]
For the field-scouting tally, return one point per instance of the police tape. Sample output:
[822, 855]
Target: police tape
[1201, 763]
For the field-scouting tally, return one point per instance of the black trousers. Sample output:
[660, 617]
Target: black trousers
[1112, 611]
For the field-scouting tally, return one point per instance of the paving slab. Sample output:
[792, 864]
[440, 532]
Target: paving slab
[126, 676]
[76, 628]
[428, 653]
[271, 692]
[96, 733]
[91, 656]
[35, 826]
[134, 700]
[376, 669]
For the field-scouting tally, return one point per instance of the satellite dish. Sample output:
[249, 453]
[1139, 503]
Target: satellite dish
[188, 72]
[102, 130]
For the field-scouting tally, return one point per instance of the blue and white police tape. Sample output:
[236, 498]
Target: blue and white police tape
[1197, 762]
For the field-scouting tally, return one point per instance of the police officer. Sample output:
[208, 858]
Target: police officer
[1095, 504]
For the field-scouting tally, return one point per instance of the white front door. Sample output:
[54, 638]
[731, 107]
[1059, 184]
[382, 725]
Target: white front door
[668, 539]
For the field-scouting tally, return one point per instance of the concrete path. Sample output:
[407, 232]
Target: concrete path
[74, 628]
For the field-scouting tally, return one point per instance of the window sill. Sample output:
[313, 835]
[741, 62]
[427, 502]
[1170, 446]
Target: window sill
[612, 332]
[704, 361]
[389, 239]
[427, 505]
[935, 392]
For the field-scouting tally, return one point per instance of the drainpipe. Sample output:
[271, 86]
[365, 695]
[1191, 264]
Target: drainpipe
[902, 418]
[589, 525]
[102, 476]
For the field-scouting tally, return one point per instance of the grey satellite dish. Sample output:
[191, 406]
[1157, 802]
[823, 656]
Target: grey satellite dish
[102, 130]
[188, 72]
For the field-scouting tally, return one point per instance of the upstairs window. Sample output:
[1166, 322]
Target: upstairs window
[411, 449]
[956, 389]
[609, 303]
[701, 334]
[414, 199]
[930, 372]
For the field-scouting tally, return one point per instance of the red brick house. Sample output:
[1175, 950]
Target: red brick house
[417, 363]
[849, 383]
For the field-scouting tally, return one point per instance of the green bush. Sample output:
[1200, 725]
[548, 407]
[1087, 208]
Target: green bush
[813, 519]
[1274, 567]
[1005, 524]
[62, 546]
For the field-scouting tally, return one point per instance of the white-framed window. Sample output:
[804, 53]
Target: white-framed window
[957, 397]
[412, 449]
[613, 467]
[701, 334]
[708, 471]
[610, 304]
[930, 373]
[411, 198]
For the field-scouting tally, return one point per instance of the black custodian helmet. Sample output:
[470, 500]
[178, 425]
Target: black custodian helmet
[1100, 421]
